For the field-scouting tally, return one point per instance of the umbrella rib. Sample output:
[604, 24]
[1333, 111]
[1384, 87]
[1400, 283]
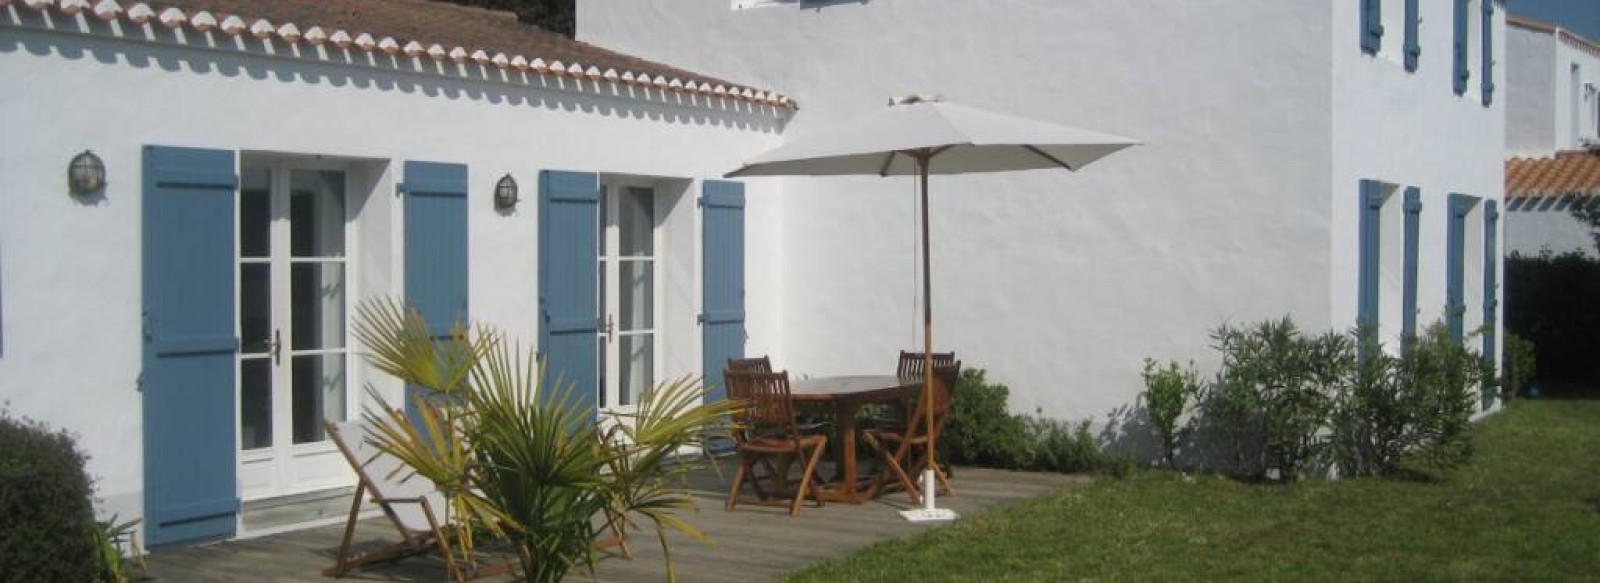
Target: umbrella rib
[1047, 156]
[887, 160]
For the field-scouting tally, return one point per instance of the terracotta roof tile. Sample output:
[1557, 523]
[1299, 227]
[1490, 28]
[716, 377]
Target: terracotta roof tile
[1572, 173]
[416, 27]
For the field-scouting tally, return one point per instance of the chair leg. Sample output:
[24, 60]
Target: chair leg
[340, 563]
[910, 485]
[738, 480]
[444, 545]
[944, 481]
[805, 478]
[880, 473]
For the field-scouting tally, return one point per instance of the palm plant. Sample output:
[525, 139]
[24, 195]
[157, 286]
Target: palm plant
[518, 455]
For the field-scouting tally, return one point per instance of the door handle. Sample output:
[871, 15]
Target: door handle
[609, 329]
[277, 347]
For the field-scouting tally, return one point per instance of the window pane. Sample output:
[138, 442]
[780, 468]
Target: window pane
[316, 213]
[255, 212]
[255, 307]
[637, 367]
[636, 294]
[255, 403]
[317, 302]
[636, 221]
[318, 394]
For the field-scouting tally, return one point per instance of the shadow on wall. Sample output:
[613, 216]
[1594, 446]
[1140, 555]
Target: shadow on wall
[263, 60]
[1129, 431]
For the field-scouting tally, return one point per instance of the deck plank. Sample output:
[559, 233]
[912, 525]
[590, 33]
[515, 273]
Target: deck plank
[752, 543]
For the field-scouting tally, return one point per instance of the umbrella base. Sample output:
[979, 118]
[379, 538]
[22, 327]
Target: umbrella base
[929, 512]
[929, 515]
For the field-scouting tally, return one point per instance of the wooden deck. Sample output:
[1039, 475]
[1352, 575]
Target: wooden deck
[752, 543]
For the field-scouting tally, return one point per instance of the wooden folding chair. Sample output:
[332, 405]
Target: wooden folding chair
[757, 364]
[770, 431]
[408, 503]
[895, 447]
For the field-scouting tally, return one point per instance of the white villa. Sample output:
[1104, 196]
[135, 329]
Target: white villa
[1552, 137]
[270, 164]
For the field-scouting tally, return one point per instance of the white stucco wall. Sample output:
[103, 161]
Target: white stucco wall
[1549, 112]
[1537, 225]
[70, 270]
[1411, 129]
[1530, 92]
[1059, 284]
[1575, 123]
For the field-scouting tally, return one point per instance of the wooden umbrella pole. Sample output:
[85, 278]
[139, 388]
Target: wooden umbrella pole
[923, 161]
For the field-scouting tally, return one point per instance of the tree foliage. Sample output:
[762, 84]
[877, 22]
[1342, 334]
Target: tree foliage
[559, 16]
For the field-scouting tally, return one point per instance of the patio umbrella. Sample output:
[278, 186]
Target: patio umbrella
[923, 136]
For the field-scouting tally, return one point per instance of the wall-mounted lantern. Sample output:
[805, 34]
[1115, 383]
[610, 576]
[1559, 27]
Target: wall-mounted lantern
[86, 174]
[505, 193]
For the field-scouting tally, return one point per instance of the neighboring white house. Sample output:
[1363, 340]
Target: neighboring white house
[270, 164]
[1552, 137]
[1276, 134]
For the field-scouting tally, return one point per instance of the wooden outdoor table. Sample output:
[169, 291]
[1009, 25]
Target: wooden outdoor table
[847, 394]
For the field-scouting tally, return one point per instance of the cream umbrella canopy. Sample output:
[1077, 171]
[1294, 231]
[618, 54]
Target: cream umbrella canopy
[917, 136]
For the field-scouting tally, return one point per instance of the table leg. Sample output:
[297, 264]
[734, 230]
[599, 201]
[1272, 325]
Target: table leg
[845, 414]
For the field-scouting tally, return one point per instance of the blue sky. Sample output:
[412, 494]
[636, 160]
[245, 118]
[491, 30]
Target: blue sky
[1580, 16]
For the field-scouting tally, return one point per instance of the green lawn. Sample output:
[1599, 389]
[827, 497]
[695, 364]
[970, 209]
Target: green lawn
[1527, 508]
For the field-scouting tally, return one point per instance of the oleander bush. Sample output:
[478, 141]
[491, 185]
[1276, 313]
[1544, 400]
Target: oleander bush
[1416, 406]
[1269, 404]
[1286, 403]
[47, 527]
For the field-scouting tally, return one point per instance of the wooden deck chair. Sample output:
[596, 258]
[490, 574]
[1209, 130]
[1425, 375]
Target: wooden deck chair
[911, 362]
[895, 447]
[770, 431]
[757, 364]
[410, 504]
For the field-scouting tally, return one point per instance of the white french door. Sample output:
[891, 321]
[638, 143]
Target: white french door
[292, 326]
[627, 295]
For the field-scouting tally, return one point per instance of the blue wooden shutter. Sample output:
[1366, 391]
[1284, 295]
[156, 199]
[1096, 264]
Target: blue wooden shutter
[1461, 73]
[1367, 294]
[1491, 283]
[1487, 79]
[1408, 298]
[190, 350]
[1455, 259]
[1413, 48]
[569, 263]
[722, 287]
[1371, 26]
[435, 247]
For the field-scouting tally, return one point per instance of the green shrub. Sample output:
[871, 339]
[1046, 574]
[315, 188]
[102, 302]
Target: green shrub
[1271, 400]
[47, 532]
[1522, 365]
[1166, 398]
[1062, 447]
[982, 431]
[1439, 377]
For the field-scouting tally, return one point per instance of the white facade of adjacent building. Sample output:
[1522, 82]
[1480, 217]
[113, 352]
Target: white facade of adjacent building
[1553, 109]
[1260, 120]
